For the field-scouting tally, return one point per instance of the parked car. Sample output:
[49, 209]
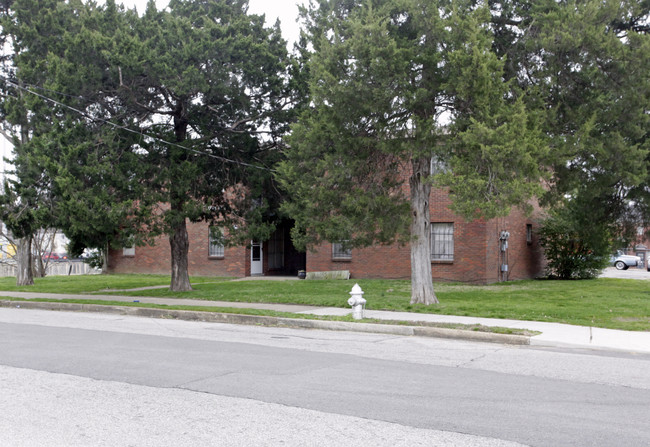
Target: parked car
[623, 262]
[55, 256]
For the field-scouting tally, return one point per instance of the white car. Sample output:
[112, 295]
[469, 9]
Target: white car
[623, 262]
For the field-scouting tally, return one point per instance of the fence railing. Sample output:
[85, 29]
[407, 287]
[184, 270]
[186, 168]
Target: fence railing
[58, 268]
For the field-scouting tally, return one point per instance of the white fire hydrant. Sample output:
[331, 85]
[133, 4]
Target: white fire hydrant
[357, 302]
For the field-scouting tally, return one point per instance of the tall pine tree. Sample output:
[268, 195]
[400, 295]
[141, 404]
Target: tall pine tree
[160, 118]
[400, 87]
[586, 63]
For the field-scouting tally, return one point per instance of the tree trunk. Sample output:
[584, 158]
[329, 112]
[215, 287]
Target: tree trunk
[40, 267]
[180, 244]
[24, 272]
[178, 237]
[421, 280]
[104, 255]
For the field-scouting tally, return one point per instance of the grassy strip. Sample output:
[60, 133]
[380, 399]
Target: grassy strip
[606, 302]
[458, 326]
[272, 313]
[228, 310]
[93, 283]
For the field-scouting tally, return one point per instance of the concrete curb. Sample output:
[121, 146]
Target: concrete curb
[257, 320]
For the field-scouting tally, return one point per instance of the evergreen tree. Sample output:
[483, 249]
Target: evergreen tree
[208, 83]
[171, 116]
[26, 202]
[400, 87]
[586, 62]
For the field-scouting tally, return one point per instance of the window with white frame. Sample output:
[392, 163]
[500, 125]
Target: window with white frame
[442, 241]
[215, 243]
[339, 251]
[128, 251]
[438, 165]
[529, 234]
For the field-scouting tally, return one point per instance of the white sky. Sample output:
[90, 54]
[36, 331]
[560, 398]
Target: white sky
[285, 10]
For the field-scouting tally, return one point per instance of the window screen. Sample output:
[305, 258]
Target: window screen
[215, 245]
[339, 252]
[442, 241]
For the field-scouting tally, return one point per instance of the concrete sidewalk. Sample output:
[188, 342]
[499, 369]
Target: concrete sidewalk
[552, 334]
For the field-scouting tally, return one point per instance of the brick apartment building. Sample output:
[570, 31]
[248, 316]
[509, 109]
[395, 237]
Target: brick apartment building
[481, 251]
[474, 252]
[273, 257]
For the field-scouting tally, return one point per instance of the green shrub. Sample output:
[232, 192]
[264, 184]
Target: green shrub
[575, 248]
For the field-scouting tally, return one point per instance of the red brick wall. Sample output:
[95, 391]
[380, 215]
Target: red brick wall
[394, 261]
[156, 258]
[470, 248]
[525, 260]
[476, 251]
[391, 261]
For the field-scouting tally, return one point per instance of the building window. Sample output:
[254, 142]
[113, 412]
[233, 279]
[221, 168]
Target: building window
[438, 165]
[215, 243]
[442, 241]
[339, 251]
[128, 251]
[529, 234]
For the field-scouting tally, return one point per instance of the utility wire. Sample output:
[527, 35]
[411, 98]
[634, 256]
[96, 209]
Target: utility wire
[136, 132]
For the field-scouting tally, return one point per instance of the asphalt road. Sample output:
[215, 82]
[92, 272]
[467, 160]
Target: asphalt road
[87, 379]
[631, 273]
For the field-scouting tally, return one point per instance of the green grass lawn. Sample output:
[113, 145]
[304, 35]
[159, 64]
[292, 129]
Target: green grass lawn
[92, 283]
[610, 303]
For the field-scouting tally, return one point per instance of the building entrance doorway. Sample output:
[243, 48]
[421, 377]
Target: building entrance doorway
[282, 258]
[257, 258]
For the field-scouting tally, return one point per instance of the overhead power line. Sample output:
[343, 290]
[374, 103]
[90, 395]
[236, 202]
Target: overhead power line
[126, 129]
